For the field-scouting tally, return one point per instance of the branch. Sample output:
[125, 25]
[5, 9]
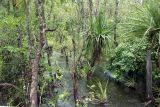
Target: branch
[147, 103]
[156, 30]
[51, 30]
[8, 84]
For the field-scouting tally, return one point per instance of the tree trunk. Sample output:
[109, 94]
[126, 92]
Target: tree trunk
[19, 39]
[97, 7]
[90, 8]
[14, 4]
[34, 84]
[30, 50]
[35, 65]
[2, 8]
[158, 59]
[30, 42]
[149, 76]
[8, 7]
[48, 51]
[116, 21]
[74, 74]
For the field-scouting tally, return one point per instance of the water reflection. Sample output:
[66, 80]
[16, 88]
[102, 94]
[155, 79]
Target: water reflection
[119, 96]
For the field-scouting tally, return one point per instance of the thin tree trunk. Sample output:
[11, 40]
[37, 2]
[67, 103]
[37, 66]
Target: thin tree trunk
[19, 39]
[34, 84]
[90, 8]
[2, 8]
[116, 21]
[35, 65]
[74, 74]
[97, 7]
[8, 7]
[159, 60]
[149, 76]
[66, 57]
[49, 53]
[50, 12]
[30, 50]
[14, 4]
[30, 44]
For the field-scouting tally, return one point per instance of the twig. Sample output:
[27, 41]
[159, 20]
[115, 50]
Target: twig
[147, 103]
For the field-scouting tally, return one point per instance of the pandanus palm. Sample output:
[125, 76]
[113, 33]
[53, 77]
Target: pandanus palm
[145, 22]
[97, 37]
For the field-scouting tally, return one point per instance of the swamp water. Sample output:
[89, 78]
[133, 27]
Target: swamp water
[119, 96]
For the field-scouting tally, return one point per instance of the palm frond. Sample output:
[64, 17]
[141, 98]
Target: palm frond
[98, 37]
[144, 20]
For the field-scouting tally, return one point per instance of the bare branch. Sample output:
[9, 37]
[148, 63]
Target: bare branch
[51, 30]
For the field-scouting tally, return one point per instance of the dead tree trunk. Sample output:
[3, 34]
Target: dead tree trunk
[149, 76]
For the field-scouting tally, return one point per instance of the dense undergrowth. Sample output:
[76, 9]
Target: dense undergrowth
[116, 35]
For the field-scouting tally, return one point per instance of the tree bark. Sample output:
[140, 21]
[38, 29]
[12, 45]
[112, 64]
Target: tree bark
[34, 84]
[35, 65]
[149, 76]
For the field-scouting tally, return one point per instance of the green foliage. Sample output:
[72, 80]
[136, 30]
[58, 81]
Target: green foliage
[13, 71]
[98, 36]
[156, 73]
[157, 99]
[128, 56]
[100, 92]
[145, 21]
[11, 62]
[8, 30]
[87, 69]
[64, 96]
[72, 21]
[130, 82]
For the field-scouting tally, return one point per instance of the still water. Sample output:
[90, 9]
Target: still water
[119, 96]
